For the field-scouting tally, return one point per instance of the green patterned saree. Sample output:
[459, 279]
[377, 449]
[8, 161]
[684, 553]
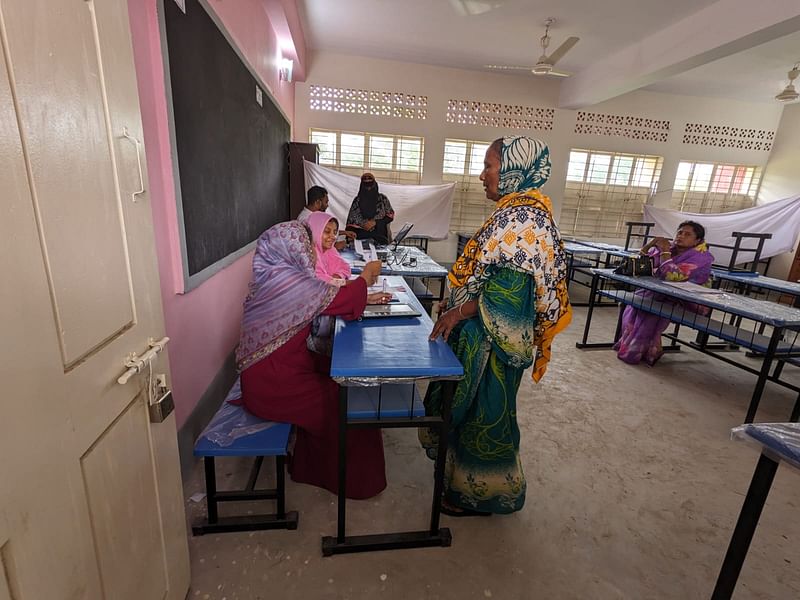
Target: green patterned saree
[483, 470]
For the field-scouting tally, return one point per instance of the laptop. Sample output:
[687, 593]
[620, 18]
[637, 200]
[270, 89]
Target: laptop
[373, 311]
[402, 234]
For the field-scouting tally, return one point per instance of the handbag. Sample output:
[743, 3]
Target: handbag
[635, 266]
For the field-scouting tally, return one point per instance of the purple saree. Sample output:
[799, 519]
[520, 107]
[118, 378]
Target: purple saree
[640, 337]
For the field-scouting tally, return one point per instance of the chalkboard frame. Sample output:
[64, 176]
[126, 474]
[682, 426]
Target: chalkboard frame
[192, 281]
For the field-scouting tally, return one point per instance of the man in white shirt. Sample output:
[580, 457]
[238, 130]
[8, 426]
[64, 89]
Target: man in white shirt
[317, 200]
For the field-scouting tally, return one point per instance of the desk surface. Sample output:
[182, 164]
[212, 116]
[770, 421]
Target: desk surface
[762, 311]
[778, 440]
[425, 267]
[769, 283]
[612, 249]
[392, 347]
[578, 248]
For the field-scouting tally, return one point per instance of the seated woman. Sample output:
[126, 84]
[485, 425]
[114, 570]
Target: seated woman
[686, 258]
[282, 380]
[330, 266]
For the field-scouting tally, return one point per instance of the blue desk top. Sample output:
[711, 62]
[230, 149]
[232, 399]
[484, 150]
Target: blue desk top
[392, 347]
[778, 440]
[762, 311]
[769, 283]
[425, 267]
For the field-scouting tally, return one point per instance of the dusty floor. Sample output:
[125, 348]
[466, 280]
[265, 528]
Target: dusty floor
[633, 490]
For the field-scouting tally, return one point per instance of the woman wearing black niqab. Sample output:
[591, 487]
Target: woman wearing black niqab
[371, 212]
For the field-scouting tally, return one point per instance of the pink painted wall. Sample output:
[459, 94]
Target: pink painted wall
[203, 324]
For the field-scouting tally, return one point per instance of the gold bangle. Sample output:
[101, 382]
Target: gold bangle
[667, 253]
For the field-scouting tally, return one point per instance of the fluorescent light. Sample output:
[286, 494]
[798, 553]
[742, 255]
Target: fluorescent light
[285, 69]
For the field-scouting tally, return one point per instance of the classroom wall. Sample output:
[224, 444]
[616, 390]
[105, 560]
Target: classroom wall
[203, 324]
[441, 84]
[782, 175]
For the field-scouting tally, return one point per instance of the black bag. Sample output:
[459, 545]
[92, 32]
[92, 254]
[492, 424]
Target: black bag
[635, 266]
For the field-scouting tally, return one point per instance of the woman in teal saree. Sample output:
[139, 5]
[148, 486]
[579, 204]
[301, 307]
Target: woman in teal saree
[508, 299]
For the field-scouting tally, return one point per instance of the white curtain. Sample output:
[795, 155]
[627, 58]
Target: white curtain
[428, 207]
[780, 218]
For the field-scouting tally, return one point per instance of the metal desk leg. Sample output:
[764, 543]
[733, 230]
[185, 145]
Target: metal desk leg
[777, 332]
[745, 528]
[434, 536]
[592, 295]
[342, 503]
[448, 390]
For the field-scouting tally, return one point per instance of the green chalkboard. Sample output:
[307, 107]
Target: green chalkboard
[231, 151]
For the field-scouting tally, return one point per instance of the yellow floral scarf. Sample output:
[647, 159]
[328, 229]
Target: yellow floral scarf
[520, 234]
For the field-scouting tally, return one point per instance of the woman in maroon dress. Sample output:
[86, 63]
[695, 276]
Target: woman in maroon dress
[282, 380]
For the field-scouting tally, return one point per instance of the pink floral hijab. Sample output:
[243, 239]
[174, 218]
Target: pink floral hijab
[329, 263]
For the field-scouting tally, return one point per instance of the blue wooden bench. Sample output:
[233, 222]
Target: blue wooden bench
[272, 441]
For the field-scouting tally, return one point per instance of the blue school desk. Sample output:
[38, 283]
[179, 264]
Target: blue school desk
[377, 362]
[418, 268]
[779, 442]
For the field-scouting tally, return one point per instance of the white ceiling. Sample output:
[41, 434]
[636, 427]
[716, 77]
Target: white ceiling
[432, 32]
[755, 75]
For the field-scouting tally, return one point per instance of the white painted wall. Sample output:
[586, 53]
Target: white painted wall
[440, 84]
[782, 175]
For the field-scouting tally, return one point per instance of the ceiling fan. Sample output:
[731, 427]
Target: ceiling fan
[545, 64]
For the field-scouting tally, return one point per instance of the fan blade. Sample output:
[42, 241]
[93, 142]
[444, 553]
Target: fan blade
[560, 74]
[559, 52]
[507, 67]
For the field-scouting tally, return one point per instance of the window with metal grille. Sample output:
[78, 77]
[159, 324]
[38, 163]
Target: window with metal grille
[605, 190]
[463, 163]
[705, 187]
[391, 158]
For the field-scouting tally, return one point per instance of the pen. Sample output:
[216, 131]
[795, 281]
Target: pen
[384, 286]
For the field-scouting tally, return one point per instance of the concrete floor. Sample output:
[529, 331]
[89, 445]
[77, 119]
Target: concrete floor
[633, 490]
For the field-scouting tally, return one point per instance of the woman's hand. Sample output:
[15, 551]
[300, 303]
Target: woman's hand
[378, 298]
[663, 244]
[442, 306]
[445, 323]
[371, 271]
[369, 224]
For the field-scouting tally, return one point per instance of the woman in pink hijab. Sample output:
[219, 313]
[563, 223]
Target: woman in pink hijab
[330, 267]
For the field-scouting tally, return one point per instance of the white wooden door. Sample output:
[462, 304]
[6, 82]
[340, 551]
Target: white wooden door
[90, 492]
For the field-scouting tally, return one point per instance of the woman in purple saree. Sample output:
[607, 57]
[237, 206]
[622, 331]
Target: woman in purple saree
[685, 259]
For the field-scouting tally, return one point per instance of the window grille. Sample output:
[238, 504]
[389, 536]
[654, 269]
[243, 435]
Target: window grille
[368, 102]
[705, 187]
[391, 158]
[604, 190]
[463, 163]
